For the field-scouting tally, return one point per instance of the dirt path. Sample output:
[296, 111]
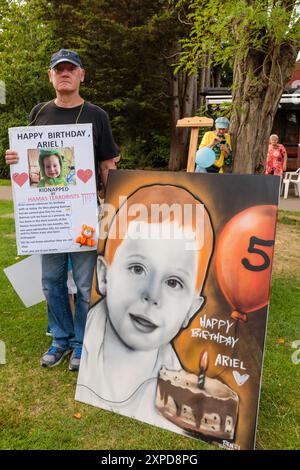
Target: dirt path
[5, 193]
[287, 248]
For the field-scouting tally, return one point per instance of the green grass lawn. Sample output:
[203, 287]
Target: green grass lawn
[37, 405]
[4, 182]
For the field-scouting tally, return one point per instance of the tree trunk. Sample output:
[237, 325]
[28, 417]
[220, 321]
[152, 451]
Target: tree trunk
[217, 78]
[183, 93]
[207, 79]
[204, 82]
[258, 83]
[178, 135]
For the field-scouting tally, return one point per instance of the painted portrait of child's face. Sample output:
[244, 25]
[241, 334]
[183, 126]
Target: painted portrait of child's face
[150, 290]
[52, 166]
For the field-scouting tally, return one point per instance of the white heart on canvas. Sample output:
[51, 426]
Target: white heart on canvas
[240, 379]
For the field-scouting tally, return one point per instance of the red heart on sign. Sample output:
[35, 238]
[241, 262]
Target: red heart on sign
[20, 178]
[84, 175]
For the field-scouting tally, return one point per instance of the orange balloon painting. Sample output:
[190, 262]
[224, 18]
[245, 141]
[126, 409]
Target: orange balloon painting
[244, 259]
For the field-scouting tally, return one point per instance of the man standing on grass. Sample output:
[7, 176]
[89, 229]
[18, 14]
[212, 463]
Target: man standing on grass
[66, 74]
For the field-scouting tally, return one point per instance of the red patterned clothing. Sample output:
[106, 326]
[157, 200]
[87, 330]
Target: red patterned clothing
[275, 159]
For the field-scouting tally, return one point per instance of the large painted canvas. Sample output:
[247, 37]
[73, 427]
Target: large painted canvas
[176, 335]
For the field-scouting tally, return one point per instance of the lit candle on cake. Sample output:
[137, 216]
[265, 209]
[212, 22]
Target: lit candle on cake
[203, 369]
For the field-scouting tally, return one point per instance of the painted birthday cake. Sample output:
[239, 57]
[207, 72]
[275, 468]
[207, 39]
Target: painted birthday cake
[208, 407]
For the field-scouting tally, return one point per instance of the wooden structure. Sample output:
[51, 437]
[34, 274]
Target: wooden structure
[194, 123]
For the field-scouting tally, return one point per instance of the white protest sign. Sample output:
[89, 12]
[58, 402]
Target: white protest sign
[54, 189]
[23, 276]
[27, 273]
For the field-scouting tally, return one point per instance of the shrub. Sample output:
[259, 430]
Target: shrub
[15, 118]
[140, 154]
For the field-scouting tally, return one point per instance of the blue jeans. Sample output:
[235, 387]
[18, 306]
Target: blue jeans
[67, 333]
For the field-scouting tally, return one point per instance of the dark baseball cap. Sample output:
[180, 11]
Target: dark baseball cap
[65, 55]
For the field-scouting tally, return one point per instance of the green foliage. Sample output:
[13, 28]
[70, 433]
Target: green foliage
[24, 57]
[158, 155]
[17, 117]
[5, 182]
[142, 154]
[231, 30]
[128, 49]
[260, 40]
[118, 44]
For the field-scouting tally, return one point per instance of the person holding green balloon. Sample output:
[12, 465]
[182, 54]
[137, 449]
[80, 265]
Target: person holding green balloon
[219, 142]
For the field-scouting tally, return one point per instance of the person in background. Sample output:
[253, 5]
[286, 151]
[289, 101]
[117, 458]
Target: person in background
[66, 74]
[219, 141]
[276, 157]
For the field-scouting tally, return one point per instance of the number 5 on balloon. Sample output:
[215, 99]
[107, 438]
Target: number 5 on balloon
[252, 249]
